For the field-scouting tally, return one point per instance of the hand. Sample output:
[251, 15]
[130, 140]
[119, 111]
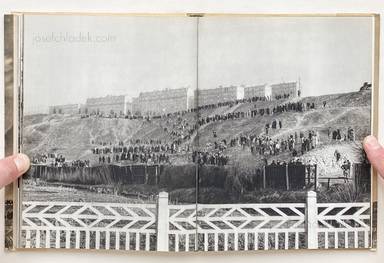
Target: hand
[375, 153]
[12, 167]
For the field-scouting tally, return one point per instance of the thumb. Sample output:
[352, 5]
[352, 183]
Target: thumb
[375, 153]
[12, 167]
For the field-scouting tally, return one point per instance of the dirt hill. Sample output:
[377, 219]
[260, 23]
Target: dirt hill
[72, 136]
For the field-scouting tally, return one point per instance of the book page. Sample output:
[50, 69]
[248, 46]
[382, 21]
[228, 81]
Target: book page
[107, 121]
[282, 164]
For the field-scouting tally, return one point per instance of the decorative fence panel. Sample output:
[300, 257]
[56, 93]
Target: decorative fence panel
[250, 226]
[344, 225]
[203, 227]
[88, 225]
[182, 230]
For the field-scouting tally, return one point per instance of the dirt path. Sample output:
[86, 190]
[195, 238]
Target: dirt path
[300, 119]
[202, 127]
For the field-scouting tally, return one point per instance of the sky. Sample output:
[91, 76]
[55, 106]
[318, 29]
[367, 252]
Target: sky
[327, 54]
[71, 58]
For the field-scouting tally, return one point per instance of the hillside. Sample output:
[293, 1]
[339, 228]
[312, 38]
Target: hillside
[72, 136]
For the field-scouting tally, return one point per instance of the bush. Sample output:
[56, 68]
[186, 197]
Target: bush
[343, 193]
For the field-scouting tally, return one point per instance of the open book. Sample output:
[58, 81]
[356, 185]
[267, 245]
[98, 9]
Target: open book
[191, 132]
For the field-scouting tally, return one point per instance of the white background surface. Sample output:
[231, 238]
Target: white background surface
[174, 6]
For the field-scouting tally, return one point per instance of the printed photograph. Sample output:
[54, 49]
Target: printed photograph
[213, 133]
[285, 103]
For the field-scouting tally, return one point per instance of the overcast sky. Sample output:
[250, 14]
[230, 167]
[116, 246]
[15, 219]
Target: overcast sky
[71, 58]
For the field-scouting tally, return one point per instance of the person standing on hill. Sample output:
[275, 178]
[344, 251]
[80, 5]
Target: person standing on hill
[337, 155]
[266, 128]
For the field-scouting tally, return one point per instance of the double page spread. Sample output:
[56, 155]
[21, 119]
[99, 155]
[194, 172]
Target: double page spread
[191, 132]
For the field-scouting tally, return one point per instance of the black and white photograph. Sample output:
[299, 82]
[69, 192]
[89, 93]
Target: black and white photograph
[196, 133]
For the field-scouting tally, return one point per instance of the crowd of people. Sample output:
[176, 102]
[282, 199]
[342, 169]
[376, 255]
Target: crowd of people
[153, 115]
[282, 96]
[230, 103]
[200, 108]
[209, 158]
[137, 146]
[79, 163]
[144, 158]
[287, 107]
[276, 124]
[265, 145]
[338, 135]
[136, 151]
[55, 160]
[40, 158]
[179, 129]
[181, 126]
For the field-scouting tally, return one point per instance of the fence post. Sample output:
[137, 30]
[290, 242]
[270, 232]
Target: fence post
[162, 221]
[264, 179]
[316, 177]
[146, 173]
[311, 223]
[286, 176]
[156, 175]
[352, 176]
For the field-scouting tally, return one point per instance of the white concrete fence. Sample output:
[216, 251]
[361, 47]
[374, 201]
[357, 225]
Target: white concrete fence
[204, 227]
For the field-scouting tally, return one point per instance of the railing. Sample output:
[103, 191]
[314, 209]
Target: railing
[88, 225]
[343, 225]
[250, 226]
[203, 227]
